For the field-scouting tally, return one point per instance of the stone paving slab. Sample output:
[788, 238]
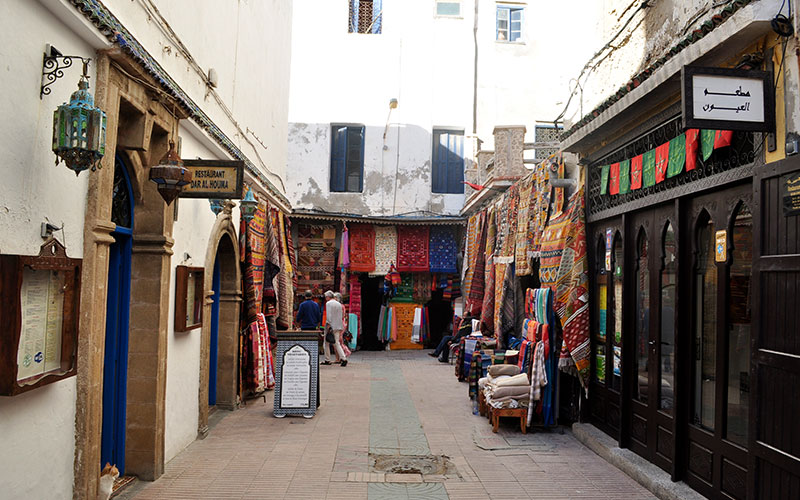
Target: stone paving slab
[383, 403]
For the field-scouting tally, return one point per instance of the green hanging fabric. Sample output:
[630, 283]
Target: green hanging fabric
[706, 143]
[649, 168]
[677, 155]
[604, 179]
[624, 176]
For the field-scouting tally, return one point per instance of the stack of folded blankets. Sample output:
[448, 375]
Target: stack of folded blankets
[505, 387]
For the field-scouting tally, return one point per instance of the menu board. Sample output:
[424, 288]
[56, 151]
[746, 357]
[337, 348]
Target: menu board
[297, 374]
[42, 306]
[296, 378]
[790, 193]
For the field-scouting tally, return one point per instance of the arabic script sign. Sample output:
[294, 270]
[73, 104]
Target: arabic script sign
[727, 99]
[790, 193]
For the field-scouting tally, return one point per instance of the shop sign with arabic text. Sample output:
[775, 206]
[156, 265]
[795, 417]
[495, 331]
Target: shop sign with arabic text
[727, 99]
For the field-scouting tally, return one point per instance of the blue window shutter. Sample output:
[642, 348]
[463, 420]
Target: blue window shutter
[455, 164]
[338, 158]
[439, 162]
[377, 16]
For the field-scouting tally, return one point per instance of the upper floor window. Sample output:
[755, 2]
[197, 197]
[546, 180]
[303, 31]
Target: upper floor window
[448, 161]
[450, 9]
[509, 23]
[347, 158]
[366, 16]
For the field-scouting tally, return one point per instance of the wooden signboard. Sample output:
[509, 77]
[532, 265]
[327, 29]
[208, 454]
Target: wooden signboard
[39, 298]
[297, 374]
[221, 179]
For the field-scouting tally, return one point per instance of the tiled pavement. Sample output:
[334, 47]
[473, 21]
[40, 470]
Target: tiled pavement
[392, 403]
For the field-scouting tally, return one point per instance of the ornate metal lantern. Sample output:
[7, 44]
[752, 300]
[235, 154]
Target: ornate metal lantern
[79, 129]
[248, 206]
[217, 205]
[170, 175]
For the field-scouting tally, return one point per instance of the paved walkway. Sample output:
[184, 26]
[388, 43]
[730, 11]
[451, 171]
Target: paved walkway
[384, 405]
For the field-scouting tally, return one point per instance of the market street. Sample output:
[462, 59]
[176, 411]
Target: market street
[383, 403]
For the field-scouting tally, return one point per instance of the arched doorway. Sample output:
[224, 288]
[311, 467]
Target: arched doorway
[219, 355]
[115, 364]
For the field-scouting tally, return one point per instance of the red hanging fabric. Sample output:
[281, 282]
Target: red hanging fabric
[662, 160]
[692, 143]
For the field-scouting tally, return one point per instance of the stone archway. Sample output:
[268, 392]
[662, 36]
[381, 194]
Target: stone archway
[222, 245]
[138, 127]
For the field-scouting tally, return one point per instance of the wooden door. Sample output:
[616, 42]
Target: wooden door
[650, 334]
[720, 226]
[773, 434]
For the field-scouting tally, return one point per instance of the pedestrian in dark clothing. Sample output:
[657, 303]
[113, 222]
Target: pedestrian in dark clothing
[442, 351]
[309, 314]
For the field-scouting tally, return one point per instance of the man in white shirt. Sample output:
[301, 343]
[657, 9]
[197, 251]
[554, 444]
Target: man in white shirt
[334, 319]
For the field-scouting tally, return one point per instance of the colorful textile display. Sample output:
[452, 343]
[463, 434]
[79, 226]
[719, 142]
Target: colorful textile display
[422, 287]
[344, 248]
[362, 247]
[405, 291]
[522, 260]
[292, 252]
[285, 290]
[353, 327]
[538, 211]
[261, 370]
[412, 248]
[571, 285]
[470, 250]
[316, 258]
[385, 249]
[255, 251]
[443, 249]
[478, 282]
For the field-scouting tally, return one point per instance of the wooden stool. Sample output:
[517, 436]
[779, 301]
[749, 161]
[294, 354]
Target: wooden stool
[521, 413]
[481, 403]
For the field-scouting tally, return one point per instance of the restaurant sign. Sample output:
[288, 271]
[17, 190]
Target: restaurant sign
[727, 99]
[214, 179]
[790, 193]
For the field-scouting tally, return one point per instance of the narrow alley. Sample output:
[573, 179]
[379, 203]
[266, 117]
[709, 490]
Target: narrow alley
[383, 403]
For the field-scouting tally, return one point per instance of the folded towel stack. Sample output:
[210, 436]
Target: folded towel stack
[505, 387]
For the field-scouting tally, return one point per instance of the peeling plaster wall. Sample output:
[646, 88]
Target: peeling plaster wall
[426, 62]
[37, 429]
[647, 38]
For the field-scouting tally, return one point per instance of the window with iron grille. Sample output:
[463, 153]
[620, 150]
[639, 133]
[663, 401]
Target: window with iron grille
[366, 16]
[546, 133]
[509, 23]
[347, 158]
[448, 161]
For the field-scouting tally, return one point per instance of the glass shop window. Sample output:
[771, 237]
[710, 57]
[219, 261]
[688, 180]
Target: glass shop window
[642, 317]
[669, 282]
[616, 304]
[739, 272]
[705, 324]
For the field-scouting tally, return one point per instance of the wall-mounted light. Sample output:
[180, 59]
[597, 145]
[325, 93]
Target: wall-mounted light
[79, 128]
[217, 205]
[170, 175]
[248, 206]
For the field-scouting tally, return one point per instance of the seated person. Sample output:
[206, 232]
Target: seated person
[442, 351]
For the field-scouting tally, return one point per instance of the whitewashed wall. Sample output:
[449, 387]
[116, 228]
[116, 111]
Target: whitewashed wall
[426, 62]
[37, 429]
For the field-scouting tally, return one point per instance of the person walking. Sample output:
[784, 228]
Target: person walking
[309, 314]
[334, 313]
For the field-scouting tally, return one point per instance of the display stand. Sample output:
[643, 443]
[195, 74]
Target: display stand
[297, 374]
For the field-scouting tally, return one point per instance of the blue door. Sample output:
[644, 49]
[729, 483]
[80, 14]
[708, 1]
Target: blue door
[115, 366]
[212, 351]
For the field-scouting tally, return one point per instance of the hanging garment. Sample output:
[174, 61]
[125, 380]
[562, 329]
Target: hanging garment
[412, 248]
[443, 249]
[521, 259]
[538, 376]
[488, 307]
[470, 249]
[255, 251]
[352, 327]
[385, 249]
[478, 278]
[422, 287]
[362, 247]
[416, 325]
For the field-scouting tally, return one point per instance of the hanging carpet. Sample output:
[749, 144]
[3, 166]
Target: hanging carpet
[362, 247]
[412, 248]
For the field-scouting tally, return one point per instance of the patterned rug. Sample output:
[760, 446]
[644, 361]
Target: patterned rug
[385, 249]
[412, 248]
[443, 249]
[362, 247]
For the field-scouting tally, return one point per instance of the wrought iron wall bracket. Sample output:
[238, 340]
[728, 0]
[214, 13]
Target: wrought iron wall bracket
[53, 67]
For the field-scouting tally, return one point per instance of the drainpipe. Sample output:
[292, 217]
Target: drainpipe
[475, 73]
